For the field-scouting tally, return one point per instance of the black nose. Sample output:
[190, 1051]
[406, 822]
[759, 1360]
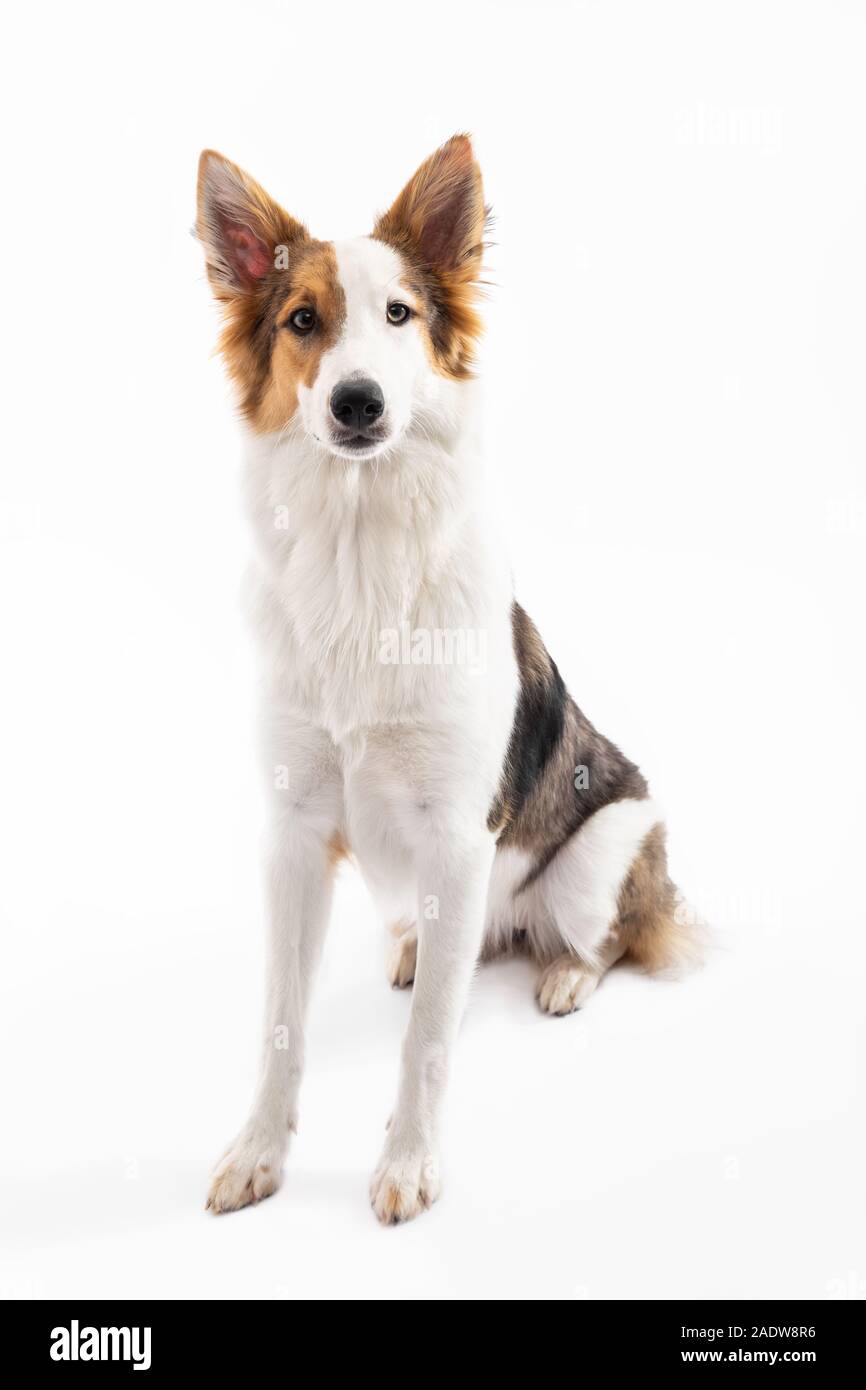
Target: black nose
[357, 404]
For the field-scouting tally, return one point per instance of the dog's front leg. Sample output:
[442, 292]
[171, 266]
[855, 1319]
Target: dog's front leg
[453, 876]
[305, 846]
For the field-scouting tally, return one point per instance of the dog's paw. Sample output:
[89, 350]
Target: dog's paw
[248, 1172]
[565, 986]
[402, 956]
[404, 1186]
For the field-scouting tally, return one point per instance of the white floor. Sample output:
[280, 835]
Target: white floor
[701, 1138]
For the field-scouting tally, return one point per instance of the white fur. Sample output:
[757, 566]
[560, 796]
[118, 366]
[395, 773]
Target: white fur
[401, 760]
[371, 274]
[574, 901]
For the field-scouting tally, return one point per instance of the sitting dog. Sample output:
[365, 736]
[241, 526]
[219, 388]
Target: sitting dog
[413, 716]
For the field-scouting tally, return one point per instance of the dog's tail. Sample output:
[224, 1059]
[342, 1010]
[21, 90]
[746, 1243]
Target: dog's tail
[658, 928]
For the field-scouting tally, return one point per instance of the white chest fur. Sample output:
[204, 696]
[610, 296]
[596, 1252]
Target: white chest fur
[379, 593]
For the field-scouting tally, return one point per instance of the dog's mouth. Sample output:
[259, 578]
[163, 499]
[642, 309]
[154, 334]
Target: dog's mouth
[355, 445]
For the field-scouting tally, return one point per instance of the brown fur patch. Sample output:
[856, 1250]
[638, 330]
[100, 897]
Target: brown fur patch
[311, 282]
[646, 928]
[437, 226]
[338, 850]
[263, 265]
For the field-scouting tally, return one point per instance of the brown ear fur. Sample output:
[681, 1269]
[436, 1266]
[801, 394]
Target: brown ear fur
[240, 227]
[437, 225]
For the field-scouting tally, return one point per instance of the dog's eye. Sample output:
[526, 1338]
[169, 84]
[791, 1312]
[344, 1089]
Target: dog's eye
[302, 320]
[398, 313]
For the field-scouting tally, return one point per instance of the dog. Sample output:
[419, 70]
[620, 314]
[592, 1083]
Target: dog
[413, 717]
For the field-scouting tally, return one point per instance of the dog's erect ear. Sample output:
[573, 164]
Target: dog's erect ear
[440, 214]
[240, 227]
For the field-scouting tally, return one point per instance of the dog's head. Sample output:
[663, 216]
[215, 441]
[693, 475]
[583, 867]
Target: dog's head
[350, 341]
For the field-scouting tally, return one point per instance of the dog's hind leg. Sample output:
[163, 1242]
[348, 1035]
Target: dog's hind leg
[611, 899]
[607, 895]
[568, 981]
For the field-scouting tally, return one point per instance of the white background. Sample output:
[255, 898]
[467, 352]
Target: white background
[674, 383]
